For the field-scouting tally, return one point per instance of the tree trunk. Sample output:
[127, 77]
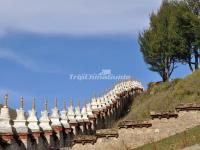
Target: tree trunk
[164, 77]
[196, 57]
[166, 70]
[190, 66]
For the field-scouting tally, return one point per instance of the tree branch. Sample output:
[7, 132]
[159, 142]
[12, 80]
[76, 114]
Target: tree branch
[173, 67]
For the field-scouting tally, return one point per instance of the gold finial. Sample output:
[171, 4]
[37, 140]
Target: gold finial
[71, 102]
[33, 103]
[64, 105]
[22, 102]
[85, 103]
[56, 103]
[45, 105]
[79, 103]
[6, 100]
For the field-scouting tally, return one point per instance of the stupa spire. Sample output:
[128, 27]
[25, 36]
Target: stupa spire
[71, 102]
[64, 105]
[6, 101]
[22, 102]
[45, 105]
[79, 103]
[33, 103]
[56, 103]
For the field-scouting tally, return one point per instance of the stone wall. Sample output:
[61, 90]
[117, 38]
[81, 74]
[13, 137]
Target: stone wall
[58, 129]
[132, 138]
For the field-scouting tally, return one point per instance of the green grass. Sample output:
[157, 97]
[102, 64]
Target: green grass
[175, 142]
[166, 96]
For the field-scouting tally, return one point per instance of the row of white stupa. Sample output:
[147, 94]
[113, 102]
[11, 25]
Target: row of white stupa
[58, 118]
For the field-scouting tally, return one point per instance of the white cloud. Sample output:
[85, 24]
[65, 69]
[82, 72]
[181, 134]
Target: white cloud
[16, 58]
[76, 17]
[27, 62]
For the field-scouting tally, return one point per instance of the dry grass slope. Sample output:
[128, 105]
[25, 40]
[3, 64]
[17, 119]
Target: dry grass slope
[166, 96]
[178, 141]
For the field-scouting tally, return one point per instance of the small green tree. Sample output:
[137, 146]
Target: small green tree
[162, 45]
[191, 22]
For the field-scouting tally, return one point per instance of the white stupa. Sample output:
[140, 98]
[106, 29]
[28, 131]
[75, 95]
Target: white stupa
[5, 126]
[45, 122]
[20, 123]
[78, 113]
[64, 118]
[33, 122]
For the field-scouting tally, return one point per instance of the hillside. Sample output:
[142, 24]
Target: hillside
[178, 141]
[163, 134]
[166, 96]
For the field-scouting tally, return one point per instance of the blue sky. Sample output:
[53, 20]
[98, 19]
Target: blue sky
[41, 46]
